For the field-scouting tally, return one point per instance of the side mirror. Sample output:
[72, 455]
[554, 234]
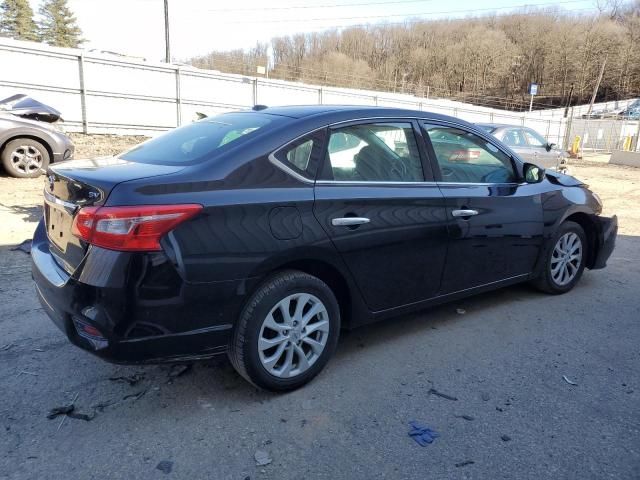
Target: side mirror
[533, 173]
[549, 146]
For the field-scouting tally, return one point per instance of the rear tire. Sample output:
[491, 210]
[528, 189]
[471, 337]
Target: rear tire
[564, 260]
[286, 332]
[25, 158]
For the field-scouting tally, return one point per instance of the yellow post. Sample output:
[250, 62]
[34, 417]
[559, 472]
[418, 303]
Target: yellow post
[575, 147]
[626, 146]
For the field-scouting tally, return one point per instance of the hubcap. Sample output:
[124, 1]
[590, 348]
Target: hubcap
[293, 335]
[26, 159]
[566, 258]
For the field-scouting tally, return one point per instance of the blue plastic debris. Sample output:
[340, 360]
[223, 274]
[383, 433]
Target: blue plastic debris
[422, 434]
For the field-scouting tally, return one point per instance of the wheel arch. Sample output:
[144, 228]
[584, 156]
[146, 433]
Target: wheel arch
[41, 140]
[591, 231]
[352, 309]
[330, 275]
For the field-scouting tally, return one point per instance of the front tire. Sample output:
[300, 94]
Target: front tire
[564, 261]
[25, 158]
[287, 332]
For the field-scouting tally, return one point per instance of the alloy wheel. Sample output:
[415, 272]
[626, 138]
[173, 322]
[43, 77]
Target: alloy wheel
[566, 258]
[26, 159]
[293, 335]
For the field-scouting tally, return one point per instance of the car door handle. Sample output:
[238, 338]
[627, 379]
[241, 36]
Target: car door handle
[464, 213]
[349, 221]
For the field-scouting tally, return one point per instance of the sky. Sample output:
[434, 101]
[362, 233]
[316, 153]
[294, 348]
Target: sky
[136, 27]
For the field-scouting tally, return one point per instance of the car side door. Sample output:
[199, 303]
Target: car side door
[494, 220]
[380, 207]
[544, 156]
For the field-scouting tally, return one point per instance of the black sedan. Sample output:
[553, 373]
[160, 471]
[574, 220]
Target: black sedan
[260, 234]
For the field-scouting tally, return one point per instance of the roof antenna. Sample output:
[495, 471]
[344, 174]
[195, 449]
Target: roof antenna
[257, 108]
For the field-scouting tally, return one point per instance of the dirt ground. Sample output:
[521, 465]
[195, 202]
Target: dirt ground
[504, 359]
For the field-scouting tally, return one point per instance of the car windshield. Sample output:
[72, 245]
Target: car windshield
[198, 141]
[487, 128]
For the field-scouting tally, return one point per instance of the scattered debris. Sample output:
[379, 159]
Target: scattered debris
[135, 396]
[24, 246]
[499, 409]
[460, 311]
[65, 417]
[7, 346]
[82, 416]
[38, 350]
[131, 379]
[165, 466]
[485, 397]
[70, 411]
[433, 391]
[179, 370]
[27, 373]
[505, 438]
[422, 434]
[262, 458]
[64, 410]
[466, 417]
[569, 381]
[465, 463]
[101, 406]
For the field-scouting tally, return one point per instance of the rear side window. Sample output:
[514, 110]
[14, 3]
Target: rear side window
[302, 154]
[200, 140]
[374, 152]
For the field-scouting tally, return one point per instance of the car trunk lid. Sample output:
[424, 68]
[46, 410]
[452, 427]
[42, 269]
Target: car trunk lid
[69, 186]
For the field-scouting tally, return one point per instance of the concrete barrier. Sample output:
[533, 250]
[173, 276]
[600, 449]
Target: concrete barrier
[630, 159]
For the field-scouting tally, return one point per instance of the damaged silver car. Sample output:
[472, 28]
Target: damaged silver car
[30, 137]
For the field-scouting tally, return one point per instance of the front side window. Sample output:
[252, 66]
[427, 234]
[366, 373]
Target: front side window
[534, 139]
[374, 152]
[514, 138]
[199, 140]
[464, 157]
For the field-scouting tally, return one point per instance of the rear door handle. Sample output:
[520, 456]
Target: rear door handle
[349, 221]
[464, 213]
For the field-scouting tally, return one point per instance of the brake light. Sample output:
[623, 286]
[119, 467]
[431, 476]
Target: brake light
[137, 228]
[464, 155]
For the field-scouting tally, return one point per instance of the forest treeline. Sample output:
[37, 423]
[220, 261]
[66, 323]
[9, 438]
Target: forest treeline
[488, 60]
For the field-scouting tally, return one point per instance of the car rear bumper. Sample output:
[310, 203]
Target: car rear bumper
[110, 314]
[608, 232]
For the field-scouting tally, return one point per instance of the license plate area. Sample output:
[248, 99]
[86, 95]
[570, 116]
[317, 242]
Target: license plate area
[58, 222]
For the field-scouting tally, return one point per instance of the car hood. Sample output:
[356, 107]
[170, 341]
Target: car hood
[562, 179]
[24, 106]
[25, 122]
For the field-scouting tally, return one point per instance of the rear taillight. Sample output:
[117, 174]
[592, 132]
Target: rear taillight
[130, 228]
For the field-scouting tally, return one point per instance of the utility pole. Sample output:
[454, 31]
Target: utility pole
[167, 57]
[595, 90]
[566, 108]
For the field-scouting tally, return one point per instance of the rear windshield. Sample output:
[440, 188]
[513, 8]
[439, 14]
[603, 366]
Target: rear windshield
[197, 141]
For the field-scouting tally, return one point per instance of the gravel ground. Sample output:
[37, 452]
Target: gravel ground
[503, 359]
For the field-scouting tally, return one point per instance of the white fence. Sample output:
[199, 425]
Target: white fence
[109, 94]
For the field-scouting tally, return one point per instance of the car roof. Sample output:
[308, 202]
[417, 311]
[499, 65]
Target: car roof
[345, 112]
[499, 125]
